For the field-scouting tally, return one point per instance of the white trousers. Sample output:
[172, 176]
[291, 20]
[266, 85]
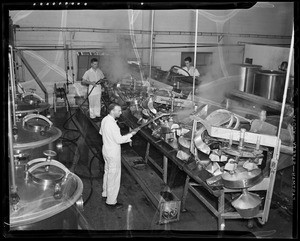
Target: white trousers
[111, 178]
[95, 104]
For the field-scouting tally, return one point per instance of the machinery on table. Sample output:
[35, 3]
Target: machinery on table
[242, 161]
[43, 193]
[219, 149]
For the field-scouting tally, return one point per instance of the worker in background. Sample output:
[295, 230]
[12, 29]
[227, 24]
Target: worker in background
[189, 68]
[111, 151]
[92, 78]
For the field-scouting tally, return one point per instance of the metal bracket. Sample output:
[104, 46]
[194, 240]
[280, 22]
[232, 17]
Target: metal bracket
[220, 37]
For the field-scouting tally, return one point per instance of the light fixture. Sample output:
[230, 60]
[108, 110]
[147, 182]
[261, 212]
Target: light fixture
[34, 4]
[47, 4]
[85, 4]
[78, 3]
[66, 3]
[53, 3]
[59, 3]
[41, 4]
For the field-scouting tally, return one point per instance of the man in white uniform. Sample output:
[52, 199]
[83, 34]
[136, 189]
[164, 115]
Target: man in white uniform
[90, 78]
[189, 68]
[111, 151]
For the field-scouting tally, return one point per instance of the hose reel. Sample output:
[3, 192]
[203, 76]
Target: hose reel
[60, 92]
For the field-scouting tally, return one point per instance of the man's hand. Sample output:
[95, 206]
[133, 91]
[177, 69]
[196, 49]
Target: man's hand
[134, 131]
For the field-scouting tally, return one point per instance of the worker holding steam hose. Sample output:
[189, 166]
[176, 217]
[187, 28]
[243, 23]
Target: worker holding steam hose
[92, 77]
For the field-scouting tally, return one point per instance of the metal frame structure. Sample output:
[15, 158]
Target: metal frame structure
[266, 184]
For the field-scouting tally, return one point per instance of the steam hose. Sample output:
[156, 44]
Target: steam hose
[62, 93]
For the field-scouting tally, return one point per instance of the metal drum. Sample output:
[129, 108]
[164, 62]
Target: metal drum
[29, 103]
[35, 131]
[247, 72]
[269, 84]
[49, 196]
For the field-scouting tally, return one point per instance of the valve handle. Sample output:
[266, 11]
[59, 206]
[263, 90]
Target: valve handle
[49, 153]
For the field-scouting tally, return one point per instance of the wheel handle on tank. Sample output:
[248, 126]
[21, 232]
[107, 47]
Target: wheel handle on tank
[49, 154]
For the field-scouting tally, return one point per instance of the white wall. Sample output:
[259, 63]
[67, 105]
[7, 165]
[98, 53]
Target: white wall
[268, 57]
[257, 20]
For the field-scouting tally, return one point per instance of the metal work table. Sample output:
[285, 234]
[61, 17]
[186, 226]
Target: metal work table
[200, 177]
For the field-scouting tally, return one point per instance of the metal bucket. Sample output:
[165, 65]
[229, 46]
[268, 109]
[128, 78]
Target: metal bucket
[246, 73]
[247, 204]
[269, 84]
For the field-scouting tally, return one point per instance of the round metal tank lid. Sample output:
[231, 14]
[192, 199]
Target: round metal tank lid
[249, 65]
[37, 202]
[270, 72]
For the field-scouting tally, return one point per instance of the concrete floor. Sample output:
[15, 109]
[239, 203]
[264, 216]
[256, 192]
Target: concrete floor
[139, 217]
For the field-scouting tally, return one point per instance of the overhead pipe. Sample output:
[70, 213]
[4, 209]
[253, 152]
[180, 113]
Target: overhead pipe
[10, 145]
[264, 44]
[39, 82]
[151, 44]
[286, 83]
[195, 54]
[12, 84]
[66, 59]
[116, 48]
[276, 154]
[126, 31]
[72, 35]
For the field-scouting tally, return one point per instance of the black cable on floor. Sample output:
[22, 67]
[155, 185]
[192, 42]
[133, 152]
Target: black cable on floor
[73, 141]
[62, 93]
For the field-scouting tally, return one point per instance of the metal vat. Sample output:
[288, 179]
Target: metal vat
[246, 72]
[50, 197]
[269, 84]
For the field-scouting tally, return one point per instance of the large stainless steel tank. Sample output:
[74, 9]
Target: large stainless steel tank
[50, 196]
[246, 72]
[269, 84]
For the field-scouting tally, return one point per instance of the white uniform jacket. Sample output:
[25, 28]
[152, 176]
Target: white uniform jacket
[190, 71]
[112, 138]
[94, 76]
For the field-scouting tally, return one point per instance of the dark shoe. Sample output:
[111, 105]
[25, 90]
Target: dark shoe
[104, 198]
[115, 206]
